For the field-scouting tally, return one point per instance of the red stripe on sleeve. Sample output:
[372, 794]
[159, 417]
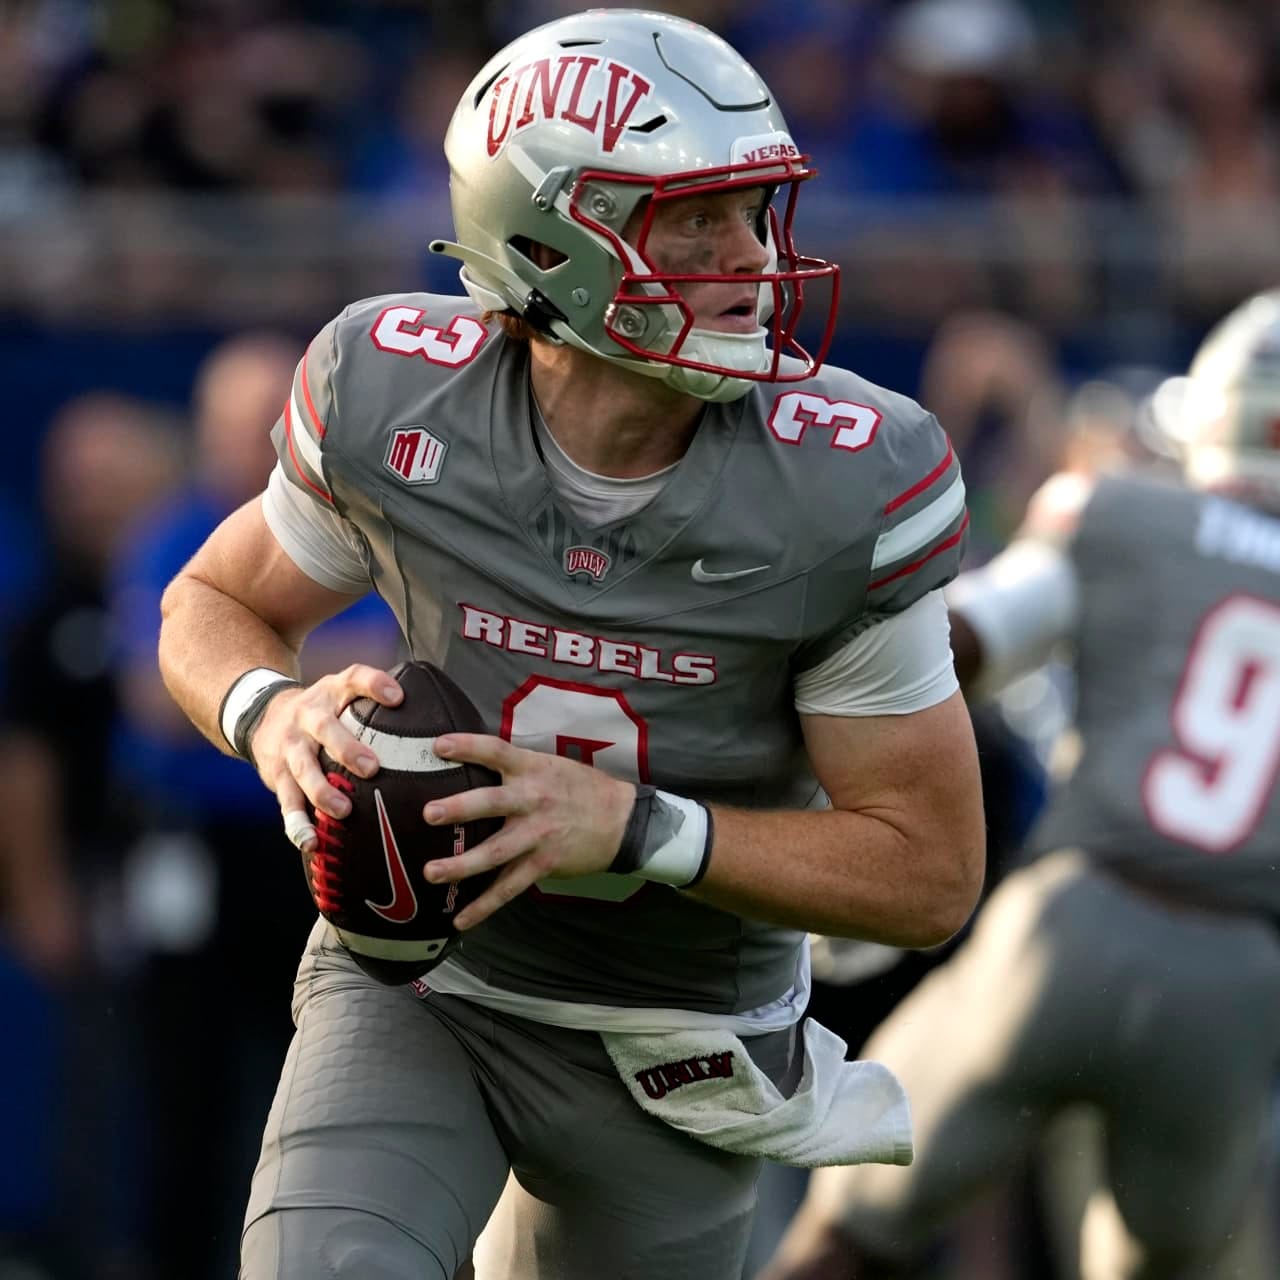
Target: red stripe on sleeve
[288, 435]
[306, 395]
[921, 485]
[917, 564]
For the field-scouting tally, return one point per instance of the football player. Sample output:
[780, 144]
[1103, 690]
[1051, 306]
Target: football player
[1132, 966]
[693, 583]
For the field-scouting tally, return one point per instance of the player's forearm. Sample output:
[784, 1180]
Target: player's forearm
[846, 874]
[207, 641]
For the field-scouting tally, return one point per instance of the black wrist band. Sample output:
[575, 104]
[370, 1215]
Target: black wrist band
[667, 839]
[253, 713]
[631, 848]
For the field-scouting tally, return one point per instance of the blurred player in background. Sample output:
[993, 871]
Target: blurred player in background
[105, 458]
[1133, 966]
[614, 497]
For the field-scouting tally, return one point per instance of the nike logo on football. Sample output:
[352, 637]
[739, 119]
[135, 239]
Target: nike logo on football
[404, 902]
[705, 575]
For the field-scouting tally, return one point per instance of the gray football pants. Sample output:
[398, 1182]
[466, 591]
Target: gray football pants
[398, 1118]
[1076, 989]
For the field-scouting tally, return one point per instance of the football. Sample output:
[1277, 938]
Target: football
[365, 874]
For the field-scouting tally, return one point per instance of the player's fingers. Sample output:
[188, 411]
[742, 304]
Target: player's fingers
[298, 827]
[293, 809]
[511, 882]
[300, 756]
[320, 716]
[499, 848]
[360, 680]
[339, 742]
[479, 748]
[479, 802]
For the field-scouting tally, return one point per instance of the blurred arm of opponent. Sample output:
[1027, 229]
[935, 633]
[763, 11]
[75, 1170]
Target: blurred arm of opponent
[1008, 616]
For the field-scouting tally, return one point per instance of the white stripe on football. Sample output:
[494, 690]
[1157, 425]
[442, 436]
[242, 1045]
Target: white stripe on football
[404, 755]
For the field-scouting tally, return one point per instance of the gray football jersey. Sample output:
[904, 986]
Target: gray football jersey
[661, 647]
[1178, 659]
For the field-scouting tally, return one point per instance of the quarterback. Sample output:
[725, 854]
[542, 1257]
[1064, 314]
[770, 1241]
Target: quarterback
[691, 579]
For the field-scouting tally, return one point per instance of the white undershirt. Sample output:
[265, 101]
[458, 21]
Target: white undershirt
[594, 499]
[899, 665]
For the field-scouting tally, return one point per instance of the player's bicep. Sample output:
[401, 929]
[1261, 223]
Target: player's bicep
[923, 765]
[244, 560]
[917, 776]
[870, 710]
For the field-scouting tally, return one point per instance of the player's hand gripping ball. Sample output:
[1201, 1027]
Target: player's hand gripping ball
[365, 872]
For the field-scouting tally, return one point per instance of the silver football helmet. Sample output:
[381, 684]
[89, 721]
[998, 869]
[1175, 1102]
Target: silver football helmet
[562, 137]
[1228, 407]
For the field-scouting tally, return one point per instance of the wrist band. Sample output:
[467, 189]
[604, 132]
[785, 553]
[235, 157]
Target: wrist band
[244, 703]
[668, 839]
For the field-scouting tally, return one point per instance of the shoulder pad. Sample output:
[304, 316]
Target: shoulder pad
[359, 356]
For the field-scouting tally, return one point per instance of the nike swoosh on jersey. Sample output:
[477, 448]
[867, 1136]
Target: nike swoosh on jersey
[706, 575]
[404, 902]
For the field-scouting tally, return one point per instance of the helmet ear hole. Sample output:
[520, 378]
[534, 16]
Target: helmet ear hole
[542, 256]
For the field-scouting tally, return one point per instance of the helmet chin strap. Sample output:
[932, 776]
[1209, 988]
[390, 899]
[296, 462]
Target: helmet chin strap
[742, 351]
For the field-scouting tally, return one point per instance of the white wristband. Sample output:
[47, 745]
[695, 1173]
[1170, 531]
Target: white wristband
[682, 859]
[242, 695]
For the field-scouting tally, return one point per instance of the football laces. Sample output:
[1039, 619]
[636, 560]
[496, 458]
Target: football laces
[326, 858]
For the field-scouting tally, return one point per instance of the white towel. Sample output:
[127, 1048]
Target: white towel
[704, 1083]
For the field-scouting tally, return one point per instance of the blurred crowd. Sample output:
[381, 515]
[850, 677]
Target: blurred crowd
[1096, 159]
[1038, 207]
